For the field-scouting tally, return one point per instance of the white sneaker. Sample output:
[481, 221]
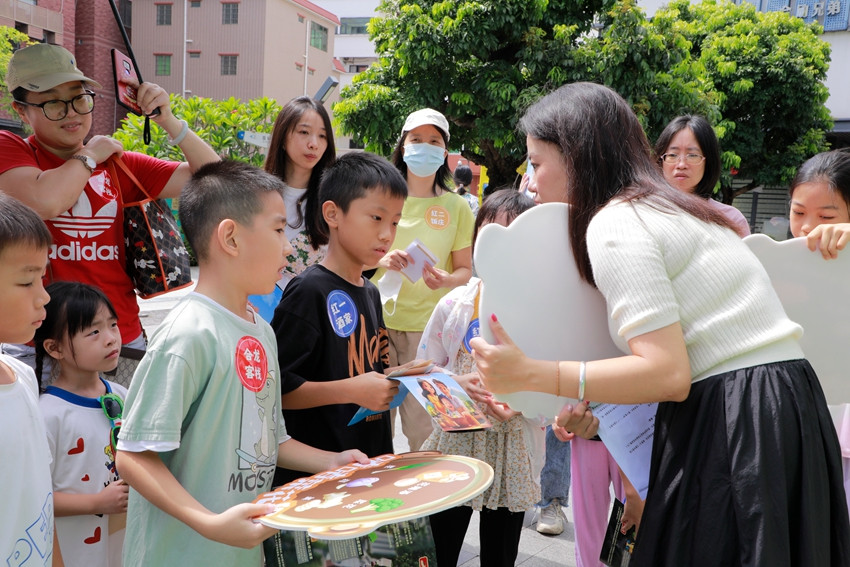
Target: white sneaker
[551, 520]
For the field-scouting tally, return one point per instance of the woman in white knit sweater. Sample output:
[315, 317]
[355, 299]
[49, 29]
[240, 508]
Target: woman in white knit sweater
[745, 466]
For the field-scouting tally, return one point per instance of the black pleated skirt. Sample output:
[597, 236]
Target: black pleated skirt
[746, 472]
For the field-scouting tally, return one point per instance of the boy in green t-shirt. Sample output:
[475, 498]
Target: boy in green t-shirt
[202, 430]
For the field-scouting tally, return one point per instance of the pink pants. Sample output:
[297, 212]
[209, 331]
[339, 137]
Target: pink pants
[593, 471]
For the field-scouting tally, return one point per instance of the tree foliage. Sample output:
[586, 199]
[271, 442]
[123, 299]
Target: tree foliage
[479, 62]
[216, 122]
[10, 40]
[769, 70]
[757, 77]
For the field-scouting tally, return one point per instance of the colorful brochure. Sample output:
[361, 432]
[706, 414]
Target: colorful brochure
[443, 398]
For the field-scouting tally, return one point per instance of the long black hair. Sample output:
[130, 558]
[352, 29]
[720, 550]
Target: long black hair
[287, 120]
[462, 178]
[708, 145]
[607, 155]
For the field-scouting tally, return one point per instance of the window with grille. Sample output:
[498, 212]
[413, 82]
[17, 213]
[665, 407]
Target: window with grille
[163, 14]
[318, 36]
[230, 13]
[228, 64]
[163, 66]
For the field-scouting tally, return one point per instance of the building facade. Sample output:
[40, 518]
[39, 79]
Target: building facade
[352, 46]
[220, 48]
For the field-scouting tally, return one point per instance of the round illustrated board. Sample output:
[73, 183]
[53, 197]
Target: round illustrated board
[532, 284]
[353, 500]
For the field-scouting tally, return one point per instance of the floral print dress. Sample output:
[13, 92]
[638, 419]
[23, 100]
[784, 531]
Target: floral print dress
[303, 254]
[513, 447]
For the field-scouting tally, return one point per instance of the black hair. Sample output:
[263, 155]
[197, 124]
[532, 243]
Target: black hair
[353, 175]
[286, 122]
[833, 168]
[72, 308]
[423, 381]
[20, 225]
[607, 155]
[462, 178]
[708, 145]
[507, 200]
[20, 94]
[222, 190]
[444, 174]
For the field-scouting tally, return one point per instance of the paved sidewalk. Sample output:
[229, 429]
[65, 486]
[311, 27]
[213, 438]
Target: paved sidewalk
[535, 550]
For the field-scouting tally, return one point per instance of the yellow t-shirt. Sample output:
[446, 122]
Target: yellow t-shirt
[444, 224]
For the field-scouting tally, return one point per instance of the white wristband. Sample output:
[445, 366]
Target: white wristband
[181, 135]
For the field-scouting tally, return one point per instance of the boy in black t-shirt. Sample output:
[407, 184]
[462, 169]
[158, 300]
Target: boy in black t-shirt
[332, 342]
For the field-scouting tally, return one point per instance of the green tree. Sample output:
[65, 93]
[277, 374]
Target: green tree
[10, 40]
[479, 62]
[769, 69]
[216, 122]
[757, 77]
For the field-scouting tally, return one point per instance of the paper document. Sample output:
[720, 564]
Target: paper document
[627, 431]
[420, 255]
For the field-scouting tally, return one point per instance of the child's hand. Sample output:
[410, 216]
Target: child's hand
[633, 510]
[113, 498]
[350, 456]
[472, 385]
[499, 411]
[374, 391]
[236, 526]
[829, 239]
[579, 420]
[562, 434]
[395, 260]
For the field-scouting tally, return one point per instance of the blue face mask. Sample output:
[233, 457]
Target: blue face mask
[424, 159]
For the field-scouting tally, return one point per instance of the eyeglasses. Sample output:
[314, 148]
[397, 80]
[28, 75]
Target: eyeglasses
[690, 159]
[56, 110]
[113, 407]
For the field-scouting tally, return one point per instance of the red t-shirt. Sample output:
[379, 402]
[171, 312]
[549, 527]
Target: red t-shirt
[88, 239]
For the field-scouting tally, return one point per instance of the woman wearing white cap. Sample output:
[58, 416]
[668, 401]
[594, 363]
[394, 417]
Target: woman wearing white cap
[442, 221]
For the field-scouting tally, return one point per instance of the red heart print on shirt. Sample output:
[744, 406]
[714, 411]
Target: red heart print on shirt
[95, 538]
[79, 448]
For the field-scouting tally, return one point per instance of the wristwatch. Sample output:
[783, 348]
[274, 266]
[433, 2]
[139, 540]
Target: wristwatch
[86, 161]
